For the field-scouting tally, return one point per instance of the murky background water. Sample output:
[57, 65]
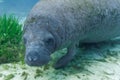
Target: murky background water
[19, 8]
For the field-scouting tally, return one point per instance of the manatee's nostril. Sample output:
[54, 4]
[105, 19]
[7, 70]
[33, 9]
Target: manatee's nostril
[32, 57]
[37, 59]
[29, 58]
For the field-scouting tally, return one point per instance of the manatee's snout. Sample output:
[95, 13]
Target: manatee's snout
[37, 57]
[39, 45]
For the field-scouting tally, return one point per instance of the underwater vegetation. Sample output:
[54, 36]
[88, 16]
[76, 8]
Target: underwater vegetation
[10, 39]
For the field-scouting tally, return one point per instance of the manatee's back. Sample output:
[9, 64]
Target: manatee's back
[102, 20]
[85, 20]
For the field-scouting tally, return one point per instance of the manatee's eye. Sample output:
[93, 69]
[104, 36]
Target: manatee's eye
[49, 41]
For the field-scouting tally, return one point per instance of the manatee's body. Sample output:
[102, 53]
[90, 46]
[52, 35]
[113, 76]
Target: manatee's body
[73, 21]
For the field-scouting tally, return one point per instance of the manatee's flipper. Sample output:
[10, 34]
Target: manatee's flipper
[64, 60]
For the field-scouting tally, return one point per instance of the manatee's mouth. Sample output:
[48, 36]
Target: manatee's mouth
[34, 58]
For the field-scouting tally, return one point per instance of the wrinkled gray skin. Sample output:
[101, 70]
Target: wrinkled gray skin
[56, 24]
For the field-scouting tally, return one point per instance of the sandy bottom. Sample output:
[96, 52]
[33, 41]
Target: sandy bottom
[95, 62]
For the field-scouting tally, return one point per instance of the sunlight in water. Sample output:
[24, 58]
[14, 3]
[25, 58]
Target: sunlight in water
[1, 1]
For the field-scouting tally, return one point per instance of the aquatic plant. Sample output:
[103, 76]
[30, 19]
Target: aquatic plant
[10, 38]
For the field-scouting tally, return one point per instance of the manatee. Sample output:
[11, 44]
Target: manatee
[52, 25]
